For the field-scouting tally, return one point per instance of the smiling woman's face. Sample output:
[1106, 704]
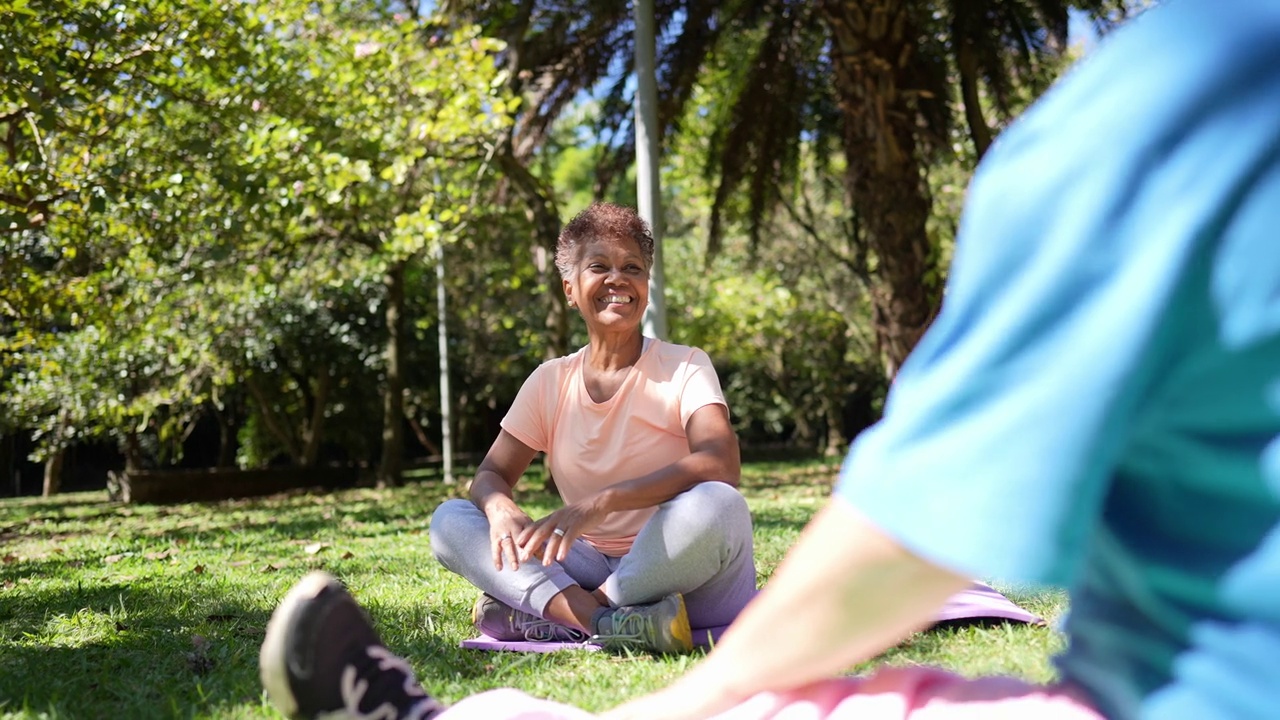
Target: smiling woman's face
[609, 284]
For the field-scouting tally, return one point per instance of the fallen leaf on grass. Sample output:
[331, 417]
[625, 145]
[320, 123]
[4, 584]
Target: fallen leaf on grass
[269, 568]
[314, 548]
[348, 555]
[160, 555]
[198, 660]
[111, 559]
[199, 569]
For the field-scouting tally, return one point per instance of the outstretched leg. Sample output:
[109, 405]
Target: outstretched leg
[322, 657]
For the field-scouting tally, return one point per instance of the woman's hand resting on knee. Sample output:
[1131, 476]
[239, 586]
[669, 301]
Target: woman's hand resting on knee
[551, 537]
[505, 527]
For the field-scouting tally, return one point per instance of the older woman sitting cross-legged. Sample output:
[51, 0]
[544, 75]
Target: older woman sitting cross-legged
[653, 538]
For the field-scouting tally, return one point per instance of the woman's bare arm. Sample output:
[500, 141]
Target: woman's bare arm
[845, 593]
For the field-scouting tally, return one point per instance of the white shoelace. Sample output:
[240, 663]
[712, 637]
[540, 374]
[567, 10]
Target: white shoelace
[629, 629]
[545, 631]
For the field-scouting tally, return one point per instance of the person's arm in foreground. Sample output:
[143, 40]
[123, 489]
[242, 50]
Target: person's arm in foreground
[713, 455]
[844, 593]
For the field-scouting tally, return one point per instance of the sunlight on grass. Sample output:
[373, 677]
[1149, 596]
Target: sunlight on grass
[83, 627]
[158, 611]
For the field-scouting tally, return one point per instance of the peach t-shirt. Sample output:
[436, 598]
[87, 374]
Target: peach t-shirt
[591, 445]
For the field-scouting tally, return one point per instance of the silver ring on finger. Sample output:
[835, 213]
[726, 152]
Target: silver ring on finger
[559, 531]
[505, 537]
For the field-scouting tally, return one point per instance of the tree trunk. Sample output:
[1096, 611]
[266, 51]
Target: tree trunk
[53, 473]
[278, 427]
[541, 210]
[227, 422]
[313, 431]
[392, 464]
[967, 63]
[132, 452]
[834, 445]
[873, 43]
[540, 207]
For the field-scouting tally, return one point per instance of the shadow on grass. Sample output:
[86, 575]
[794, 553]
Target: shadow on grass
[134, 650]
[292, 516]
[128, 649]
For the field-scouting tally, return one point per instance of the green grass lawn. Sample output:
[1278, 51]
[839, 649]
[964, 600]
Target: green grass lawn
[111, 611]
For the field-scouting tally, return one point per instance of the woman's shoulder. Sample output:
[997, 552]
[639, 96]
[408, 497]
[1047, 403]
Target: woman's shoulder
[674, 351]
[673, 357]
[558, 366]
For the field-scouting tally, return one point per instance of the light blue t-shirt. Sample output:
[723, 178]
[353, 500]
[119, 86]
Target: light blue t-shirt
[1098, 404]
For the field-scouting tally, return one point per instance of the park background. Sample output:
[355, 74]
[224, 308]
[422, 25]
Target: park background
[310, 244]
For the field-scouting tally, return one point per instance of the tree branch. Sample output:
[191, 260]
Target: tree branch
[853, 266]
[270, 417]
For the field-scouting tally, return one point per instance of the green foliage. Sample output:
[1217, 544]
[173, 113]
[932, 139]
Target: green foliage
[200, 203]
[784, 355]
[200, 200]
[787, 321]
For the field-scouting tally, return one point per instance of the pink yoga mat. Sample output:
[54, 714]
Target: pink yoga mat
[977, 602]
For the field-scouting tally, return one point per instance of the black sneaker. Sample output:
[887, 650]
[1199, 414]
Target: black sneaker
[322, 657]
[500, 621]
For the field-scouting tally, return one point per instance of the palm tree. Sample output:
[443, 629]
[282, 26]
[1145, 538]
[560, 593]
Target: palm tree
[877, 77]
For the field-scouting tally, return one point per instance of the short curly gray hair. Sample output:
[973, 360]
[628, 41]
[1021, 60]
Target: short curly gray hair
[600, 221]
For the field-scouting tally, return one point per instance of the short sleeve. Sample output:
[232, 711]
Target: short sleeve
[701, 386]
[528, 420]
[1083, 228]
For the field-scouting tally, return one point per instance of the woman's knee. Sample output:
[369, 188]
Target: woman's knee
[713, 508]
[715, 499]
[452, 526]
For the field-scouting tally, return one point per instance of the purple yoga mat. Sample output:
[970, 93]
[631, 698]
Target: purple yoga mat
[977, 602]
[484, 642]
[702, 637]
[982, 602]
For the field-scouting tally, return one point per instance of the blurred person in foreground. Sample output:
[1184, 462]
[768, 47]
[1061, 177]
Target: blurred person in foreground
[1097, 407]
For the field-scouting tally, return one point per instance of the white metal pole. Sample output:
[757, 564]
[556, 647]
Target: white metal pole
[446, 407]
[648, 188]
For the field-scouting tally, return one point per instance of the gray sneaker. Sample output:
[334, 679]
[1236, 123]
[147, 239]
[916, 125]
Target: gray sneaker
[660, 627]
[500, 621]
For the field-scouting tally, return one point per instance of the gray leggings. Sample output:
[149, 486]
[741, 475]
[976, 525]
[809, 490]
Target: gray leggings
[697, 543]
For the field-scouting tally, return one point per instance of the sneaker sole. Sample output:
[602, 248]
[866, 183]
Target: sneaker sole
[273, 666]
[680, 628]
[475, 612]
